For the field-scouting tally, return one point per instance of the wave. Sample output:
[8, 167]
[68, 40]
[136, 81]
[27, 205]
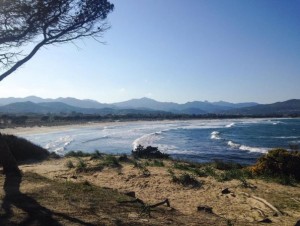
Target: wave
[58, 146]
[230, 125]
[246, 148]
[215, 135]
[253, 149]
[233, 145]
[147, 139]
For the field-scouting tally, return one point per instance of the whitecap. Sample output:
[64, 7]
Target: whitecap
[230, 125]
[233, 145]
[215, 135]
[253, 149]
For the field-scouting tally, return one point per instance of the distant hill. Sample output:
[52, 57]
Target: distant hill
[58, 108]
[288, 107]
[197, 107]
[69, 105]
[68, 100]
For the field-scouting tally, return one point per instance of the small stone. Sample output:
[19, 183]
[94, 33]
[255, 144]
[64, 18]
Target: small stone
[205, 209]
[266, 220]
[130, 194]
[133, 215]
[226, 191]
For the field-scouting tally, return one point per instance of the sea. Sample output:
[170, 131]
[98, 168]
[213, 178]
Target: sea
[234, 140]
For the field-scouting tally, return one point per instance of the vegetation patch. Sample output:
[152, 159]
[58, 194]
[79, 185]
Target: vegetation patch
[148, 153]
[185, 179]
[279, 164]
[111, 161]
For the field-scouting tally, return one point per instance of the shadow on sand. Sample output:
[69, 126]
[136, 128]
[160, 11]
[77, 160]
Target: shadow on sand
[36, 214]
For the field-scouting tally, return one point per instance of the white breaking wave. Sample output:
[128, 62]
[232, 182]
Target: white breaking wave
[58, 146]
[147, 140]
[253, 149]
[233, 145]
[230, 125]
[215, 135]
[246, 148]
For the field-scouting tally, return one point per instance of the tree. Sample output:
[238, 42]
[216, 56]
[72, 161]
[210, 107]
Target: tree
[37, 23]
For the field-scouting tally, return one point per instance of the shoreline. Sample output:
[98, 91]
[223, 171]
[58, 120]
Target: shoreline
[37, 129]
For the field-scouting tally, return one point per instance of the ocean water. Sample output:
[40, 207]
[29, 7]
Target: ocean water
[240, 140]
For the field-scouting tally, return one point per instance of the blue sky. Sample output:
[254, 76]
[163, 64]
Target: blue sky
[172, 50]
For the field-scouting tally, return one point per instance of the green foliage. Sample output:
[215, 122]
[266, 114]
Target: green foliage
[23, 150]
[70, 164]
[124, 158]
[77, 154]
[222, 165]
[186, 180]
[230, 175]
[155, 163]
[209, 171]
[96, 155]
[279, 163]
[111, 161]
[81, 166]
[148, 153]
[181, 166]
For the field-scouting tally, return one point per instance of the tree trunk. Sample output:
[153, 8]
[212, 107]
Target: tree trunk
[7, 160]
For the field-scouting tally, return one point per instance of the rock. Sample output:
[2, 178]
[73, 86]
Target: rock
[205, 209]
[133, 215]
[130, 194]
[225, 191]
[297, 223]
[266, 220]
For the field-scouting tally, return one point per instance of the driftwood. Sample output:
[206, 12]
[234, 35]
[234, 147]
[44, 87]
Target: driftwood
[146, 209]
[267, 204]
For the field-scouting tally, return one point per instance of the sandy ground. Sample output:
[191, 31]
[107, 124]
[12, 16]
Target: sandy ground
[244, 206]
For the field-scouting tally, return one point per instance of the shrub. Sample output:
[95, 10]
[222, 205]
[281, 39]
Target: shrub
[24, 150]
[278, 163]
[124, 158]
[148, 152]
[96, 155]
[186, 180]
[81, 166]
[111, 161]
[230, 175]
[77, 154]
[69, 164]
[222, 165]
[181, 166]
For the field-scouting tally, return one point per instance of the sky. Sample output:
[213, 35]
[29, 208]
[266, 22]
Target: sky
[173, 50]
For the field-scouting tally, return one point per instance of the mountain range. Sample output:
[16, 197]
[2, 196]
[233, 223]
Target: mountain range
[33, 104]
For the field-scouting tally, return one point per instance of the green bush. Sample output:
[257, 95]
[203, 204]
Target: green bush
[222, 165]
[279, 163]
[81, 166]
[69, 164]
[77, 154]
[185, 179]
[111, 161]
[148, 153]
